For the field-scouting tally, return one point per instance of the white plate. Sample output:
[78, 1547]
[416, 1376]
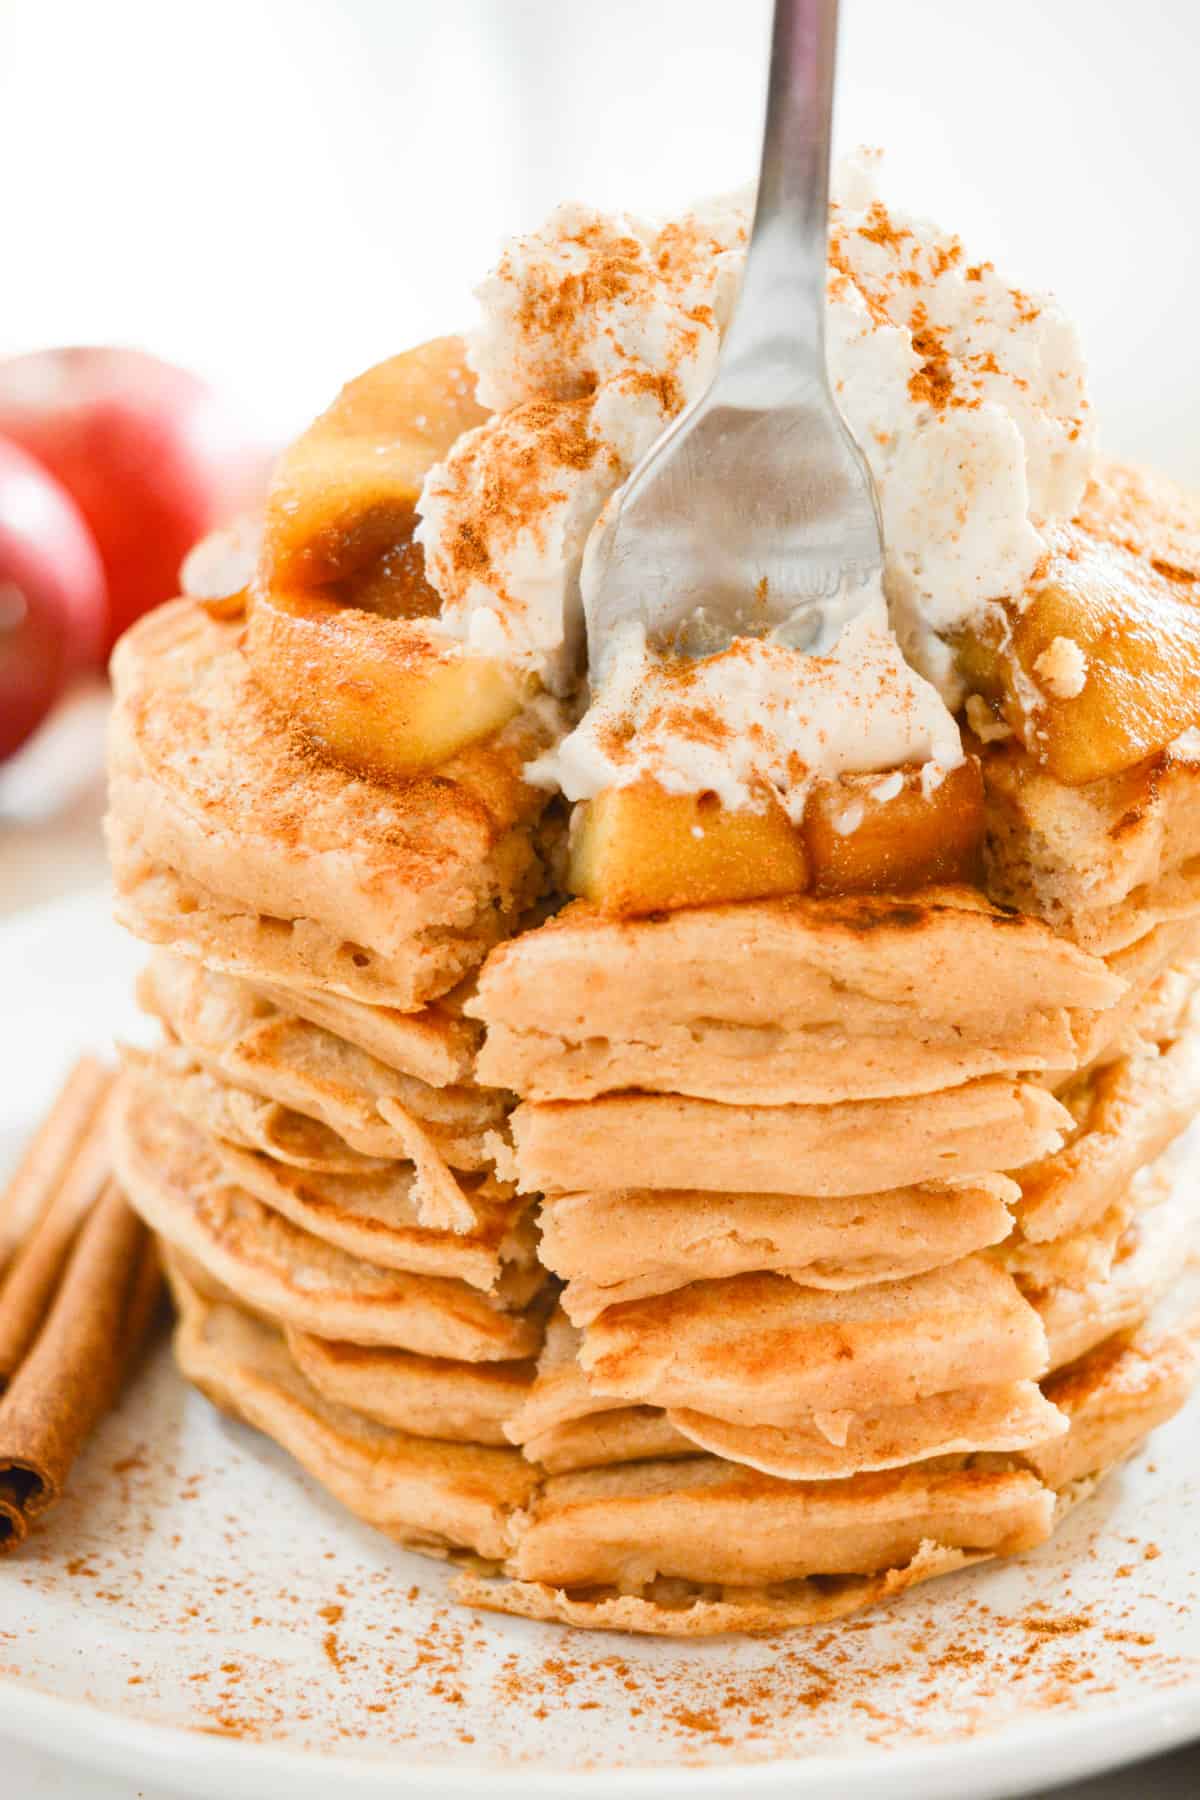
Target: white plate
[197, 1612]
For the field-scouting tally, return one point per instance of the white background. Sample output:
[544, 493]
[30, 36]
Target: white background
[282, 191]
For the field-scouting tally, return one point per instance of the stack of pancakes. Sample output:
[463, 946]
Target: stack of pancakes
[859, 1204]
[727, 1268]
[309, 1139]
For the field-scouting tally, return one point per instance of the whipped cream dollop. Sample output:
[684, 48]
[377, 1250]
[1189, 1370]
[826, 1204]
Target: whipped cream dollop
[757, 719]
[969, 399]
[506, 518]
[596, 331]
[967, 395]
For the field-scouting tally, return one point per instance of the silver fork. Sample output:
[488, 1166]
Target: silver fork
[755, 512]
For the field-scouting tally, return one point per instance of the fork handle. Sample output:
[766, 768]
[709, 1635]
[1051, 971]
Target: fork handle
[778, 331]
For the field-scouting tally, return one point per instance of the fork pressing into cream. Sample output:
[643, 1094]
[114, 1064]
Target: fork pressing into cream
[755, 512]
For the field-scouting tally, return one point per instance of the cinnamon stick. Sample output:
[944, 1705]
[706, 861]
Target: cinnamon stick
[56, 1189]
[147, 1292]
[54, 1146]
[101, 1314]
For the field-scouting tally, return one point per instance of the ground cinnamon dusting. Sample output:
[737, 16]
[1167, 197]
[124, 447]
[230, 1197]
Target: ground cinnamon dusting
[346, 1652]
[515, 485]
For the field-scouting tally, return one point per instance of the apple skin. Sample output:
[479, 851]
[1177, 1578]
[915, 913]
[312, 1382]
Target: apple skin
[53, 606]
[146, 450]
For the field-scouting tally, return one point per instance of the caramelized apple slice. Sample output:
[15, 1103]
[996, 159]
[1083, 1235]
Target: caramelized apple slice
[389, 696]
[342, 499]
[886, 833]
[1099, 668]
[639, 849]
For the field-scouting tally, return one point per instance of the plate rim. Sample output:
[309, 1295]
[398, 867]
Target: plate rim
[1047, 1748]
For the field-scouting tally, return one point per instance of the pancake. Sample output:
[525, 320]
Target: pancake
[1150, 1256]
[627, 1244]
[668, 1608]
[240, 1035]
[428, 1396]
[1112, 1397]
[442, 1498]
[785, 1001]
[561, 1392]
[247, 1121]
[428, 1495]
[686, 1546]
[230, 1113]
[436, 1045]
[428, 872]
[562, 1423]
[378, 1217]
[759, 1350]
[703, 1520]
[159, 905]
[858, 1147]
[277, 1270]
[1075, 1261]
[625, 1434]
[833, 1446]
[1126, 1115]
[1102, 863]
[1160, 971]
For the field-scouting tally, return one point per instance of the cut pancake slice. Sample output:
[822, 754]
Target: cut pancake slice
[833, 1446]
[218, 1108]
[859, 1147]
[429, 1396]
[242, 1036]
[704, 1520]
[1103, 862]
[1148, 1259]
[1160, 970]
[275, 1269]
[561, 1392]
[436, 1044]
[627, 1244]
[753, 1065]
[159, 905]
[428, 872]
[378, 1217]
[426, 1494]
[759, 1350]
[1084, 1257]
[562, 1423]
[1126, 1115]
[626, 1434]
[786, 1002]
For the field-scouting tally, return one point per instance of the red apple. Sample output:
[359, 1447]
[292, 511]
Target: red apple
[147, 452]
[52, 597]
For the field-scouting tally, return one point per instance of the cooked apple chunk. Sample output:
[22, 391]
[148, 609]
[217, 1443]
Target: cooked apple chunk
[1098, 666]
[888, 833]
[389, 696]
[639, 849]
[342, 502]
